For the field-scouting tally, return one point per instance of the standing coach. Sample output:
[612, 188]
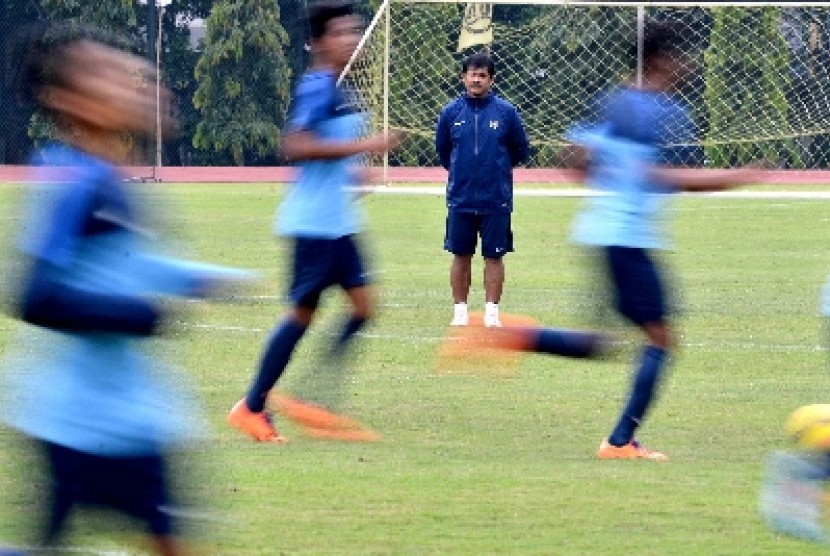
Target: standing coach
[479, 139]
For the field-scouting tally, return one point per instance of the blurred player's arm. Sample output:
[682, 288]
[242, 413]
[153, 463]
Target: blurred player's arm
[50, 302]
[685, 179]
[576, 158]
[313, 102]
[684, 132]
[183, 278]
[306, 145]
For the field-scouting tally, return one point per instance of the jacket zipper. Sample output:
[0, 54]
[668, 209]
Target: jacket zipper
[475, 148]
[475, 131]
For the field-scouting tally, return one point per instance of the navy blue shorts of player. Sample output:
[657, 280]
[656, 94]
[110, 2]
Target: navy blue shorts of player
[91, 479]
[639, 291]
[463, 229]
[322, 263]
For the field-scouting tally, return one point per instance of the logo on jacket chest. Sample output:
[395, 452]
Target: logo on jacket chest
[492, 124]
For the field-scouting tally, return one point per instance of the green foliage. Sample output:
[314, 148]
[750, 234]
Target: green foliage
[417, 86]
[746, 89]
[244, 80]
[594, 42]
[118, 16]
[293, 20]
[14, 116]
[178, 63]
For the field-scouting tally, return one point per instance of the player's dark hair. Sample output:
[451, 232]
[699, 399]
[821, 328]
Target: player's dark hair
[660, 39]
[320, 13]
[479, 60]
[41, 53]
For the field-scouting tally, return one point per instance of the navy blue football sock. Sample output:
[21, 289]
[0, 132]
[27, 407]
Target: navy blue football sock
[642, 392]
[275, 358]
[567, 343]
[352, 327]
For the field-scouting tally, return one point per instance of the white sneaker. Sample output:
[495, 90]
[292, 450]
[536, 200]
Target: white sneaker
[491, 315]
[460, 316]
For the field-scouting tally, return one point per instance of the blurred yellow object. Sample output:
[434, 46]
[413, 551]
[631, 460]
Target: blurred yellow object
[809, 427]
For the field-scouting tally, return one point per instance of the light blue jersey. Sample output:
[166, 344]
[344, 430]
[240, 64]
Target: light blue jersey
[319, 204]
[630, 208]
[87, 387]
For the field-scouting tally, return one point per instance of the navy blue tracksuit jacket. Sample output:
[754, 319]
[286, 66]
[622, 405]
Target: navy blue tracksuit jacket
[479, 140]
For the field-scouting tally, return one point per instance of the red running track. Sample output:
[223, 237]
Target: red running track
[282, 174]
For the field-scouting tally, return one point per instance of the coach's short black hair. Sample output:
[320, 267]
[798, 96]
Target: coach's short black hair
[320, 13]
[661, 39]
[479, 60]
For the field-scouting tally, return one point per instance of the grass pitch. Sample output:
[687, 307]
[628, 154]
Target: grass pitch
[487, 464]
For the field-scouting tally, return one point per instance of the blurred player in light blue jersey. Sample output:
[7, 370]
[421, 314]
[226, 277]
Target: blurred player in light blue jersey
[82, 381]
[625, 159]
[319, 216]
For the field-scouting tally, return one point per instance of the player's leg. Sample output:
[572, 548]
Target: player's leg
[139, 486]
[640, 295]
[326, 385]
[577, 344]
[496, 242]
[311, 275]
[354, 278]
[64, 468]
[315, 413]
[318, 411]
[493, 286]
[460, 282]
[460, 240]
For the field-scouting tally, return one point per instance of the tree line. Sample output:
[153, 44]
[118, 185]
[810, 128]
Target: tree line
[232, 87]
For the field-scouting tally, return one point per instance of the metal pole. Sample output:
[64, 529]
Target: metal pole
[641, 27]
[158, 88]
[387, 40]
[151, 43]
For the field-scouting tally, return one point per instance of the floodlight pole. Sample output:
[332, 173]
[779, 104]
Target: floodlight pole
[158, 161]
[151, 44]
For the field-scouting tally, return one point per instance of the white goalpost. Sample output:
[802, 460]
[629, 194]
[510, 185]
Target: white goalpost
[758, 72]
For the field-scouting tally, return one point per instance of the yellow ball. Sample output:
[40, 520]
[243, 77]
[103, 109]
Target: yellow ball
[809, 427]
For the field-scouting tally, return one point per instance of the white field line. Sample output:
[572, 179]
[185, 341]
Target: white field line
[415, 338]
[89, 551]
[580, 192]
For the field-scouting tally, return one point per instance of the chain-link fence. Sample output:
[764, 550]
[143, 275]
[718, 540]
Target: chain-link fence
[756, 78]
[756, 86]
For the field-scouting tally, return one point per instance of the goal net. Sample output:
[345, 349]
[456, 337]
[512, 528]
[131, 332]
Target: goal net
[757, 74]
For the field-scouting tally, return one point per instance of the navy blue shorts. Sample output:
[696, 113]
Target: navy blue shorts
[639, 291]
[135, 485]
[321, 263]
[463, 229]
